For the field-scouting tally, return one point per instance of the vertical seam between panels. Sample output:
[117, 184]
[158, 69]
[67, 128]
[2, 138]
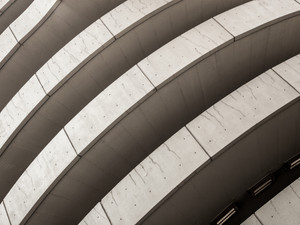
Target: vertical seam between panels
[6, 211]
[41, 85]
[224, 28]
[198, 142]
[71, 143]
[14, 35]
[258, 219]
[106, 213]
[147, 77]
[286, 82]
[108, 29]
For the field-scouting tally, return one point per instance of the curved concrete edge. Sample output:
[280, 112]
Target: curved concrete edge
[243, 19]
[145, 127]
[78, 129]
[68, 61]
[66, 21]
[235, 21]
[118, 97]
[167, 167]
[162, 171]
[55, 113]
[284, 208]
[26, 24]
[129, 14]
[22, 106]
[47, 167]
[12, 13]
[31, 19]
[96, 216]
[4, 4]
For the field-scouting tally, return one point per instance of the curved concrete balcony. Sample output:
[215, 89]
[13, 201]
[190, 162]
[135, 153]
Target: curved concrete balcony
[26, 24]
[68, 19]
[140, 111]
[189, 179]
[65, 76]
[84, 134]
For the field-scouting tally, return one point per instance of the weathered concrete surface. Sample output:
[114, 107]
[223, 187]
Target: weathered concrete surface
[32, 18]
[172, 59]
[244, 19]
[73, 55]
[154, 178]
[22, 105]
[237, 113]
[68, 19]
[35, 183]
[8, 44]
[115, 139]
[284, 208]
[109, 107]
[27, 23]
[12, 12]
[135, 196]
[126, 15]
[170, 105]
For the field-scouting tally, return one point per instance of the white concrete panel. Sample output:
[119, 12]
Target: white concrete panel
[235, 114]
[290, 71]
[83, 47]
[107, 107]
[95, 217]
[252, 220]
[21, 106]
[32, 17]
[8, 43]
[284, 208]
[174, 57]
[123, 17]
[255, 14]
[3, 216]
[154, 178]
[38, 177]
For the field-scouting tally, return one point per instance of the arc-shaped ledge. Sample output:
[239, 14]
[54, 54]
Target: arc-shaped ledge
[45, 114]
[137, 140]
[65, 22]
[219, 155]
[26, 24]
[284, 208]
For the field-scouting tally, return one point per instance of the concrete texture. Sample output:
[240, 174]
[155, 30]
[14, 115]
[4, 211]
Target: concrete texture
[38, 178]
[74, 55]
[156, 117]
[166, 167]
[68, 100]
[255, 101]
[284, 208]
[132, 113]
[27, 23]
[21, 106]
